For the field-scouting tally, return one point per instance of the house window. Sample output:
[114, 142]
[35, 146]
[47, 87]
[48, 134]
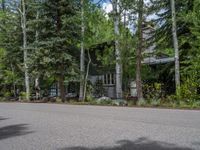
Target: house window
[109, 79]
[112, 79]
[53, 90]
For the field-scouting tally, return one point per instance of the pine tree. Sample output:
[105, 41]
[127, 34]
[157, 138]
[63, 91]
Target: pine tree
[191, 66]
[57, 41]
[10, 45]
[163, 36]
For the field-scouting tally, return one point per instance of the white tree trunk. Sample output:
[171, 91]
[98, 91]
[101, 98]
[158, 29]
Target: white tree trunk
[86, 76]
[118, 66]
[23, 25]
[175, 42]
[37, 84]
[82, 55]
[37, 88]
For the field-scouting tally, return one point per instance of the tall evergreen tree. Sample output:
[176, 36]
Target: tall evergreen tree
[10, 43]
[57, 42]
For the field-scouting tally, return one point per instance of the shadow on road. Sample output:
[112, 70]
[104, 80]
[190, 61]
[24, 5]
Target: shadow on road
[140, 144]
[196, 143]
[14, 130]
[2, 118]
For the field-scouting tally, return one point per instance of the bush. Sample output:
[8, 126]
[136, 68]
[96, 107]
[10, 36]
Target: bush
[119, 102]
[189, 89]
[7, 94]
[131, 103]
[58, 100]
[90, 100]
[187, 95]
[105, 102]
[3, 99]
[155, 102]
[22, 96]
[152, 91]
[196, 104]
[142, 102]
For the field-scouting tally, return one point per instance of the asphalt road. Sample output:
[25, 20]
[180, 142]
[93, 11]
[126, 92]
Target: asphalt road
[66, 127]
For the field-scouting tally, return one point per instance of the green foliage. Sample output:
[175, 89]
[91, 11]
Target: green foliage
[105, 102]
[56, 47]
[54, 51]
[142, 102]
[7, 94]
[22, 97]
[155, 102]
[98, 28]
[98, 88]
[188, 91]
[190, 67]
[153, 91]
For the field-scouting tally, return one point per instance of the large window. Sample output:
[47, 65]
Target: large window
[109, 79]
[53, 90]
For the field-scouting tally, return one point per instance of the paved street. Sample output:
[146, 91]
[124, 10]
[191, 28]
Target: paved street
[66, 127]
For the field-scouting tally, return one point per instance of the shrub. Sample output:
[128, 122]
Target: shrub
[22, 96]
[131, 102]
[141, 102]
[7, 94]
[155, 102]
[3, 99]
[58, 100]
[187, 95]
[106, 102]
[90, 100]
[196, 104]
[153, 91]
[119, 102]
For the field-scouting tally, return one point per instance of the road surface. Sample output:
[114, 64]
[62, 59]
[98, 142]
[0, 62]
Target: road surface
[67, 127]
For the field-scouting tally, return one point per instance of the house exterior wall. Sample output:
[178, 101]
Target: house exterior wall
[110, 91]
[150, 57]
[108, 83]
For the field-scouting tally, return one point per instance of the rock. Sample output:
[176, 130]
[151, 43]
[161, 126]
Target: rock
[103, 98]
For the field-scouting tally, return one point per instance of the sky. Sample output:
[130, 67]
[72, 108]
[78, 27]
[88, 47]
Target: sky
[104, 1]
[107, 7]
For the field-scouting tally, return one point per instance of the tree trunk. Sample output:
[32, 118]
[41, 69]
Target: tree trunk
[139, 52]
[37, 88]
[118, 66]
[13, 81]
[175, 43]
[62, 88]
[37, 84]
[86, 76]
[23, 25]
[82, 55]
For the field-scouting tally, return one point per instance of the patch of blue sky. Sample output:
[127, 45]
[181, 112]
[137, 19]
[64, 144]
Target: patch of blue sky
[100, 1]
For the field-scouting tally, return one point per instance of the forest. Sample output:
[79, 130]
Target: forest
[142, 52]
